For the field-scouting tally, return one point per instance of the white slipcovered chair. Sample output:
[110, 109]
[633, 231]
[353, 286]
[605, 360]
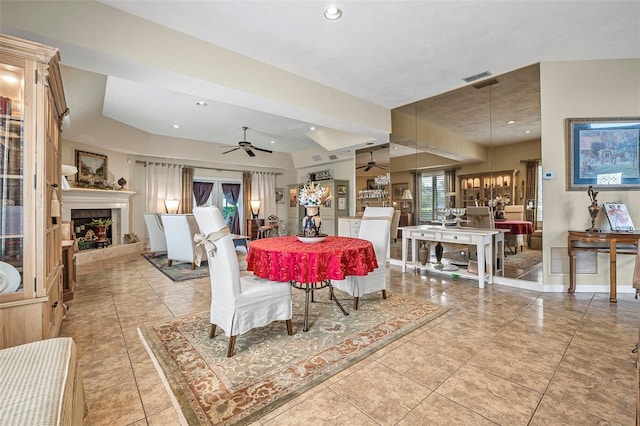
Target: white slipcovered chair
[374, 227]
[514, 213]
[179, 230]
[238, 304]
[155, 231]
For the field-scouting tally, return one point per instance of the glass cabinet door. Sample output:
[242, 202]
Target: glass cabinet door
[11, 181]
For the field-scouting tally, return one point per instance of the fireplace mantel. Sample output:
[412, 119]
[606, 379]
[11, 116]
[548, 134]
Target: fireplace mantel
[84, 198]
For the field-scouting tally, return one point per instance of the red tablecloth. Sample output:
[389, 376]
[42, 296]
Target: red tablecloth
[287, 259]
[516, 226]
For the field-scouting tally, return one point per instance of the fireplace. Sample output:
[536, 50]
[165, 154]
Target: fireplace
[83, 205]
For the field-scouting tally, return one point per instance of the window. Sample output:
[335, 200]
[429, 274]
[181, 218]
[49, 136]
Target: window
[431, 188]
[217, 199]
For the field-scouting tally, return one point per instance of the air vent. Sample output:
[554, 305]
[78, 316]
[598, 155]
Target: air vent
[333, 157]
[477, 76]
[316, 158]
[485, 83]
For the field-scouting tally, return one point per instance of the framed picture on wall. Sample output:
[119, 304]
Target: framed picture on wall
[279, 195]
[397, 190]
[603, 153]
[371, 184]
[92, 168]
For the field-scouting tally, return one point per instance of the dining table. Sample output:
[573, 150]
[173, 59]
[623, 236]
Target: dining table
[515, 227]
[311, 265]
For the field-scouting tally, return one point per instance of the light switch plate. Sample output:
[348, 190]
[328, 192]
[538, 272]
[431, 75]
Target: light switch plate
[549, 175]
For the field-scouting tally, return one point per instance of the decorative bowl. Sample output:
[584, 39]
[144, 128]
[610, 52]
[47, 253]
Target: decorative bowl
[311, 240]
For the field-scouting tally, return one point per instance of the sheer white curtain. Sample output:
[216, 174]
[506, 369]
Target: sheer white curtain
[263, 188]
[164, 182]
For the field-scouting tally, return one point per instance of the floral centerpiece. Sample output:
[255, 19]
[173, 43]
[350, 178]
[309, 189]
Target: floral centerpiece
[312, 196]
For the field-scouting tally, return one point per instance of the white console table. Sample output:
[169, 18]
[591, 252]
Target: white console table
[483, 239]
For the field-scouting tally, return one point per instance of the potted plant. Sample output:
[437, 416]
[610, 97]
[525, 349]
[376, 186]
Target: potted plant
[100, 227]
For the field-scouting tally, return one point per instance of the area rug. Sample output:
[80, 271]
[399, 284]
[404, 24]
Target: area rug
[270, 367]
[523, 260]
[182, 271]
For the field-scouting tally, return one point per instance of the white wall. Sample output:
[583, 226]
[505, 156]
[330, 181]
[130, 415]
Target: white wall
[577, 90]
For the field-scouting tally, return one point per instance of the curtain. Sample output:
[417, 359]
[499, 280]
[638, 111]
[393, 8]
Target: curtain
[202, 191]
[531, 190]
[231, 192]
[186, 200]
[164, 182]
[263, 188]
[246, 197]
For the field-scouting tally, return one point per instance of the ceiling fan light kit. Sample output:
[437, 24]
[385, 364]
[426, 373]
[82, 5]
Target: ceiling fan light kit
[247, 146]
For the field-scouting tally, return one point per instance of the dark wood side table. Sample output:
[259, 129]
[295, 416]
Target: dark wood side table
[253, 225]
[613, 243]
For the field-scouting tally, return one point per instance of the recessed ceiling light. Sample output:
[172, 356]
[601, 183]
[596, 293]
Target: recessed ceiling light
[510, 122]
[527, 131]
[176, 126]
[395, 147]
[273, 141]
[201, 103]
[332, 13]
[312, 128]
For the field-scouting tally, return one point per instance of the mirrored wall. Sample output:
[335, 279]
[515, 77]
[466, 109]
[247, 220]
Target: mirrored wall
[475, 146]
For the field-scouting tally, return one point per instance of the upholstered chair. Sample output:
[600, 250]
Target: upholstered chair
[238, 304]
[514, 213]
[155, 231]
[479, 217]
[179, 230]
[395, 221]
[375, 227]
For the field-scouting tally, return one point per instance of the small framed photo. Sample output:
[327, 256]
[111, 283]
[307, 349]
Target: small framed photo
[603, 153]
[341, 189]
[92, 168]
[618, 217]
[279, 195]
[342, 203]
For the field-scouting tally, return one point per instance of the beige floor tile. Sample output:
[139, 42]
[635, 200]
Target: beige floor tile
[302, 399]
[153, 393]
[106, 372]
[166, 417]
[596, 396]
[97, 349]
[385, 404]
[451, 344]
[437, 410]
[117, 405]
[495, 398]
[325, 408]
[426, 367]
[553, 412]
[595, 364]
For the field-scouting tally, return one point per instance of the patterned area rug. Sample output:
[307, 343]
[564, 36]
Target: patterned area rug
[182, 271]
[269, 367]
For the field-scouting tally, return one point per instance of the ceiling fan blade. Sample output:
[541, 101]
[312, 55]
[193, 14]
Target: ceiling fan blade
[231, 150]
[261, 149]
[249, 152]
[380, 167]
[368, 167]
[361, 167]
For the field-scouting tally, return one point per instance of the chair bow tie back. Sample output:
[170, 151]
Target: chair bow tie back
[207, 244]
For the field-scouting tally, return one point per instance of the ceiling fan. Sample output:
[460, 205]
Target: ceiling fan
[370, 164]
[247, 146]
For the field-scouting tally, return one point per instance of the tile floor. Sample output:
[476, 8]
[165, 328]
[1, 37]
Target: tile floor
[499, 356]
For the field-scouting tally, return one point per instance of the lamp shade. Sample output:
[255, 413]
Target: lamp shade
[255, 207]
[406, 195]
[171, 206]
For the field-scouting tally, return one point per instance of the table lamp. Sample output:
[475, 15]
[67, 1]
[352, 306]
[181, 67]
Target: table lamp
[406, 197]
[255, 208]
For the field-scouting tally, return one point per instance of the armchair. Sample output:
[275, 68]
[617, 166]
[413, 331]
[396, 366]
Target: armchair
[514, 213]
[155, 232]
[179, 230]
[238, 304]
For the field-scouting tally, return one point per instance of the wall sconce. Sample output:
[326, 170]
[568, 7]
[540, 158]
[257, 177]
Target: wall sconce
[406, 197]
[171, 206]
[255, 208]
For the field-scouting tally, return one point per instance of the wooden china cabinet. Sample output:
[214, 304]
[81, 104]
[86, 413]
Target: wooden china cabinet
[32, 107]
